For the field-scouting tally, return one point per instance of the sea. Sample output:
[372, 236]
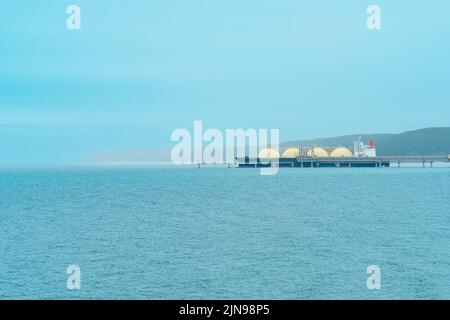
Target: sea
[160, 232]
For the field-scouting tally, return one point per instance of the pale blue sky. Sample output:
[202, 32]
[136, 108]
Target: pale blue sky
[137, 70]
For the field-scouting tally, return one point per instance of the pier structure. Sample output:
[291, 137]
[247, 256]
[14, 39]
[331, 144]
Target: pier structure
[351, 162]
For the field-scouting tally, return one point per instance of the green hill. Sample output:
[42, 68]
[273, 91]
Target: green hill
[429, 141]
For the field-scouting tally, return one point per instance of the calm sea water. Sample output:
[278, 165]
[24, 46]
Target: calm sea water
[176, 233]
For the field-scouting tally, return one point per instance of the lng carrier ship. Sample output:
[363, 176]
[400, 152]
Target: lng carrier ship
[362, 155]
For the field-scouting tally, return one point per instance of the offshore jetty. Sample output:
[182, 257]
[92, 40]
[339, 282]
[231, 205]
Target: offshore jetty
[318, 157]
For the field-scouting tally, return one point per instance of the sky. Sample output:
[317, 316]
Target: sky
[138, 70]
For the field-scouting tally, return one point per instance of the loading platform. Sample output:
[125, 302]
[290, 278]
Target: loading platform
[353, 162]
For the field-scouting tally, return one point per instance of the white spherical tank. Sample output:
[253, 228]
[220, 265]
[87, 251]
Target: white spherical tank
[341, 152]
[317, 152]
[268, 153]
[292, 152]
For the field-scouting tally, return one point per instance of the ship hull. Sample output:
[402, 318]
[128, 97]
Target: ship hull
[316, 163]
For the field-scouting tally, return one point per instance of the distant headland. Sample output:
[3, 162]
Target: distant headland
[427, 141]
